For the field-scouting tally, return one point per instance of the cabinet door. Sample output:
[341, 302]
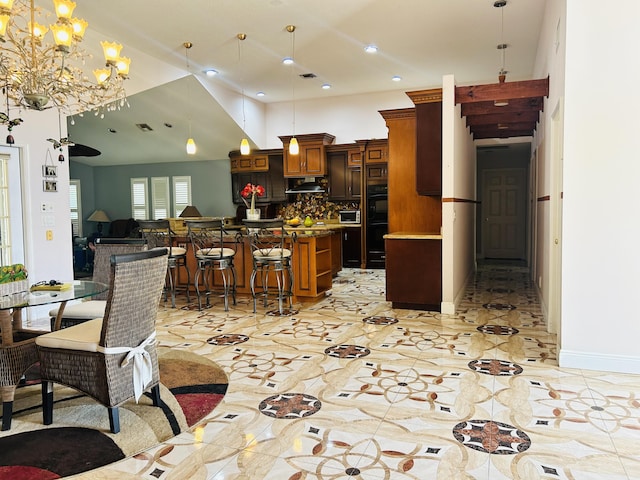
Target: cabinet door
[353, 184]
[276, 179]
[313, 160]
[260, 163]
[351, 248]
[429, 149]
[293, 164]
[377, 173]
[337, 166]
[377, 153]
[354, 158]
[239, 180]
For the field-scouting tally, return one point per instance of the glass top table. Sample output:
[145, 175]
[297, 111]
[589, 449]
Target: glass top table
[11, 305]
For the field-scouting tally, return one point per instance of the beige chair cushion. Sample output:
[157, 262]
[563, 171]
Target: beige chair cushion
[273, 253]
[215, 252]
[84, 336]
[89, 309]
[175, 251]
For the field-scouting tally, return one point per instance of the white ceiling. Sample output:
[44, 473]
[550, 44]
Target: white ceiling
[419, 40]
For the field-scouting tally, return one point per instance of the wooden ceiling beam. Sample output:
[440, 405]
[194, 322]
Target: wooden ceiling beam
[502, 134]
[503, 91]
[515, 105]
[495, 118]
[506, 126]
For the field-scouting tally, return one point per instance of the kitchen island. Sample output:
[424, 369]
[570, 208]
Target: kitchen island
[316, 258]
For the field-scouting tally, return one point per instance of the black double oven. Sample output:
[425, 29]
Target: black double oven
[376, 224]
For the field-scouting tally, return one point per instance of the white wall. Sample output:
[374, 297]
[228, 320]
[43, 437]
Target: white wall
[601, 224]
[348, 118]
[458, 186]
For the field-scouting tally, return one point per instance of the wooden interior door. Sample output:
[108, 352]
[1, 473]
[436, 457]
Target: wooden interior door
[504, 213]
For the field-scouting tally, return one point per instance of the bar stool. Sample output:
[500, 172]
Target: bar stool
[272, 262]
[208, 244]
[158, 234]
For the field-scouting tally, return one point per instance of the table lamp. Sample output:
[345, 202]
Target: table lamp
[190, 211]
[100, 217]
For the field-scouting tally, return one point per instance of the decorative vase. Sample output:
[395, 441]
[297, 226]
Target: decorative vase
[253, 214]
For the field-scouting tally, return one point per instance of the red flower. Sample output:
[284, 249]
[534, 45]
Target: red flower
[252, 190]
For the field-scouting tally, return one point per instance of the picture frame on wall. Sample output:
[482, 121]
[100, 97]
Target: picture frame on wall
[49, 171]
[50, 185]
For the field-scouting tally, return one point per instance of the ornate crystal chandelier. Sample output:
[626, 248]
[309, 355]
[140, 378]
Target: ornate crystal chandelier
[36, 73]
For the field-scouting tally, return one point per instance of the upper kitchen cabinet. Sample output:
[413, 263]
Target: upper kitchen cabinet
[377, 151]
[272, 180]
[255, 162]
[344, 181]
[428, 141]
[311, 161]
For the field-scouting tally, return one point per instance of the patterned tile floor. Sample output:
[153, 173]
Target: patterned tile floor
[350, 388]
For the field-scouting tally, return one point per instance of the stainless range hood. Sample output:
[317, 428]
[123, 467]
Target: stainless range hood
[308, 186]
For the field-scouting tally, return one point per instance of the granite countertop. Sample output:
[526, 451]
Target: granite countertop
[412, 236]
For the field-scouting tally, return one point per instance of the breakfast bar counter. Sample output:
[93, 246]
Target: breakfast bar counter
[317, 257]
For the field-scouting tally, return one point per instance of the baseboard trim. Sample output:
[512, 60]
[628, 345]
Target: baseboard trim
[601, 362]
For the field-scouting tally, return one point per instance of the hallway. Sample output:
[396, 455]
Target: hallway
[350, 388]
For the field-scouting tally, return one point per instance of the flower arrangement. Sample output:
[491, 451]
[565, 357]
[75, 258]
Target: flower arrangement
[251, 190]
[13, 273]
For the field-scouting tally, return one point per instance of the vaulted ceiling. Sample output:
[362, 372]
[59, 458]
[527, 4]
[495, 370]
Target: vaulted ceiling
[418, 40]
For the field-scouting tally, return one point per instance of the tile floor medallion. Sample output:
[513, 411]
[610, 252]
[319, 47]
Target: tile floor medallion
[350, 388]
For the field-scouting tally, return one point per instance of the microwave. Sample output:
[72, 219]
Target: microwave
[349, 216]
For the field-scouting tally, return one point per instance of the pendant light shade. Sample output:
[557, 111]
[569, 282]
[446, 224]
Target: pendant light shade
[293, 143]
[244, 147]
[294, 149]
[191, 146]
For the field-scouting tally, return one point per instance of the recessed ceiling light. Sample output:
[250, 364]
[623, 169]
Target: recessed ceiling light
[260, 94]
[326, 86]
[211, 72]
[371, 49]
[287, 60]
[396, 78]
[112, 130]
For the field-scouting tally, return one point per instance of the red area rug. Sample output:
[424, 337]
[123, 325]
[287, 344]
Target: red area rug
[79, 439]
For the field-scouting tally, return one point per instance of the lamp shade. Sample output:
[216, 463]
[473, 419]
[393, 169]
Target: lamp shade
[190, 211]
[98, 216]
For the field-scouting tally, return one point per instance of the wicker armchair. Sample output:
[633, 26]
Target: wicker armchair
[272, 256]
[94, 308]
[211, 255]
[158, 234]
[98, 357]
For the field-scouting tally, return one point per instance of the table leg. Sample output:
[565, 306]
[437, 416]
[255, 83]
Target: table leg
[58, 322]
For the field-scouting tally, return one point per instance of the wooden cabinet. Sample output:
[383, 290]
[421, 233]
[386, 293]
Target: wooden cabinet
[377, 173]
[351, 247]
[414, 273]
[312, 270]
[354, 157]
[258, 162]
[336, 253]
[344, 182]
[377, 151]
[311, 161]
[429, 148]
[273, 182]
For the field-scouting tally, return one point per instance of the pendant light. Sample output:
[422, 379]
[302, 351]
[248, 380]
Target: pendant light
[294, 149]
[245, 149]
[502, 75]
[191, 144]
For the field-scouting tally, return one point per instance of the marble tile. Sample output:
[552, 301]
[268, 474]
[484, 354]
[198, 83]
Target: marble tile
[349, 387]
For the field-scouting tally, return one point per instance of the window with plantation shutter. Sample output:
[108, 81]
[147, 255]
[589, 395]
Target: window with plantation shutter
[160, 197]
[139, 199]
[181, 194]
[76, 209]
